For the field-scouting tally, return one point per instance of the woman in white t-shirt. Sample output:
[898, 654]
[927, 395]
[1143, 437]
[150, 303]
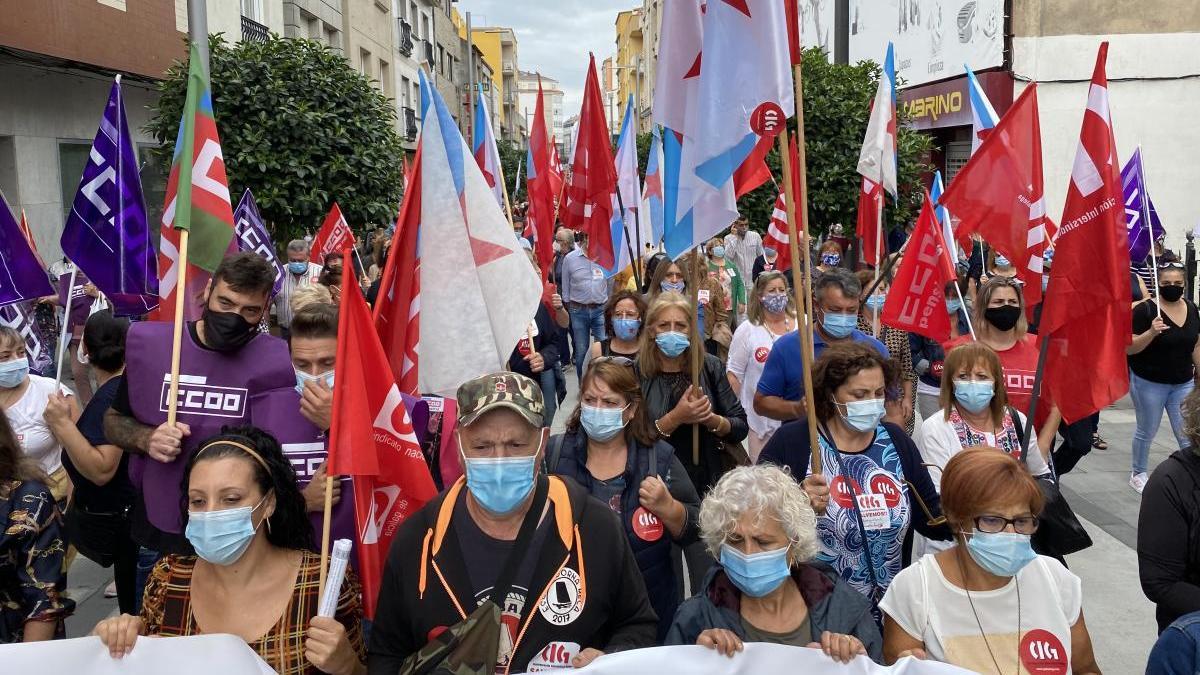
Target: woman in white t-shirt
[772, 313]
[990, 605]
[975, 412]
[23, 398]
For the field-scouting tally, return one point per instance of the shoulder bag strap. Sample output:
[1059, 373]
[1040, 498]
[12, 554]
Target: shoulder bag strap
[521, 544]
[862, 527]
[555, 453]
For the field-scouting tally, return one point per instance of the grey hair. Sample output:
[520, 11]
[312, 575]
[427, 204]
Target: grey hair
[297, 246]
[839, 278]
[764, 490]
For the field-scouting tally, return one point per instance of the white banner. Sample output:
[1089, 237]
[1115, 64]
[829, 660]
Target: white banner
[933, 38]
[198, 655]
[756, 659]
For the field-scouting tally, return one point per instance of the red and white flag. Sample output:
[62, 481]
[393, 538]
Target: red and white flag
[372, 439]
[543, 182]
[1086, 314]
[777, 235]
[916, 301]
[335, 235]
[589, 194]
[398, 306]
[870, 202]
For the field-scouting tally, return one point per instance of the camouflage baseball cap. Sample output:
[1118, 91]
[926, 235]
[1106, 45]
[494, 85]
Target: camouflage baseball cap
[508, 390]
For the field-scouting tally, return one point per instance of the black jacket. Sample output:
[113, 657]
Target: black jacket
[425, 582]
[568, 457]
[1168, 543]
[833, 605]
[661, 397]
[544, 343]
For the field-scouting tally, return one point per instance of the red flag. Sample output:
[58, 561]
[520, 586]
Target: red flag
[405, 171]
[589, 195]
[917, 302]
[753, 171]
[999, 193]
[397, 308]
[335, 235]
[778, 235]
[791, 10]
[372, 439]
[870, 202]
[543, 181]
[29, 239]
[1086, 316]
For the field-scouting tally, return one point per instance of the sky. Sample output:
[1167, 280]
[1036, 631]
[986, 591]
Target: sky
[554, 36]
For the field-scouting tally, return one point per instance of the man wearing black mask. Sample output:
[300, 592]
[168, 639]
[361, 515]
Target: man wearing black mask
[228, 369]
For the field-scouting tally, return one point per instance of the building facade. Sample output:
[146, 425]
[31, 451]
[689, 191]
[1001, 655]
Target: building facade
[407, 84]
[499, 48]
[370, 44]
[319, 20]
[630, 69]
[552, 104]
[608, 92]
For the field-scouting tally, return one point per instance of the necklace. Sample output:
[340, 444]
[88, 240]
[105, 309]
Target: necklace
[963, 570]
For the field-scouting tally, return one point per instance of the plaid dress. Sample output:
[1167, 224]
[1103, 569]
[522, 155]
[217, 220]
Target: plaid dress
[167, 612]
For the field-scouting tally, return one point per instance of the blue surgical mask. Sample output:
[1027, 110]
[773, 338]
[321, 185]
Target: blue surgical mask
[13, 373]
[775, 303]
[221, 537]
[755, 574]
[831, 259]
[302, 377]
[668, 286]
[875, 302]
[718, 251]
[1001, 553]
[863, 415]
[626, 329]
[974, 395]
[297, 267]
[838, 326]
[601, 424]
[672, 343]
[1001, 261]
[500, 484]
[953, 305]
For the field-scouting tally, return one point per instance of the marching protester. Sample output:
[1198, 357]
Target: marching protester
[726, 272]
[744, 247]
[584, 290]
[301, 272]
[835, 315]
[563, 575]
[1162, 364]
[554, 387]
[535, 352]
[671, 276]
[313, 348]
[24, 397]
[317, 294]
[769, 262]
[1169, 520]
[974, 412]
[929, 356]
[32, 551]
[901, 404]
[227, 353]
[612, 450]
[98, 520]
[772, 314]
[873, 486]
[623, 323]
[999, 266]
[766, 587]
[976, 604]
[253, 574]
[830, 255]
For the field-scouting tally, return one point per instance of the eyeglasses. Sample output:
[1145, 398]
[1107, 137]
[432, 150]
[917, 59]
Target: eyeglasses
[1171, 266]
[623, 361]
[994, 524]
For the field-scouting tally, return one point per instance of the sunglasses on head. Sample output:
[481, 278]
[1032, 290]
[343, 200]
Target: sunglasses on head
[623, 361]
[1172, 266]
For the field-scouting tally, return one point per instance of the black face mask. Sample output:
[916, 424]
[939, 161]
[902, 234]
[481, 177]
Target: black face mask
[1170, 293]
[1003, 318]
[227, 331]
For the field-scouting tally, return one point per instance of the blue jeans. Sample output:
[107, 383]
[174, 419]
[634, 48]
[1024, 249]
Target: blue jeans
[549, 394]
[146, 559]
[585, 322]
[1178, 648]
[1149, 401]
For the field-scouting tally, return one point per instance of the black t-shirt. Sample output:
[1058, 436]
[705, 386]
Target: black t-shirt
[118, 494]
[1168, 357]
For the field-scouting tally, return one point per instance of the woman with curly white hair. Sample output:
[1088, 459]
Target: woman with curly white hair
[759, 525]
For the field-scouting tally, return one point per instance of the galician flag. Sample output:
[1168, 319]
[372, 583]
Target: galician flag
[629, 187]
[943, 216]
[877, 161]
[106, 233]
[983, 115]
[197, 199]
[487, 156]
[652, 190]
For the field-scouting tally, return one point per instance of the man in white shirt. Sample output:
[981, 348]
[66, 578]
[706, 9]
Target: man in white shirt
[743, 247]
[301, 272]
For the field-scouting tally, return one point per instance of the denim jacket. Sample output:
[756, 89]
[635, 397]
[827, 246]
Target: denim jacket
[1177, 651]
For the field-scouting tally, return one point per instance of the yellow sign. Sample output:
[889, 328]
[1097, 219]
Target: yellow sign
[934, 106]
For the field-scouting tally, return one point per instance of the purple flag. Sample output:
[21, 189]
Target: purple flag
[21, 275]
[106, 233]
[252, 235]
[1140, 216]
[21, 318]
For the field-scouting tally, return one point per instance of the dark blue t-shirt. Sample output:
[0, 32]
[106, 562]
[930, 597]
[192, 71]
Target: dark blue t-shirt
[118, 493]
[783, 373]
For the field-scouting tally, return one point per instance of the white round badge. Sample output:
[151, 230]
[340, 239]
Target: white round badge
[563, 601]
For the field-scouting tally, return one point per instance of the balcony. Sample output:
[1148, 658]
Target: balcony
[406, 38]
[426, 53]
[253, 31]
[509, 67]
[410, 124]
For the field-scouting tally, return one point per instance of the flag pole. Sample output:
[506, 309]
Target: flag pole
[697, 342]
[334, 427]
[637, 278]
[1146, 224]
[878, 253]
[963, 308]
[63, 340]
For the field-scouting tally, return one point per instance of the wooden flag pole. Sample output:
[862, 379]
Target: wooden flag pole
[177, 332]
[697, 347]
[64, 339]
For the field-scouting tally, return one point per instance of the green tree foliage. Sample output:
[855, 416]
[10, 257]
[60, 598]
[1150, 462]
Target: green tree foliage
[512, 157]
[300, 128]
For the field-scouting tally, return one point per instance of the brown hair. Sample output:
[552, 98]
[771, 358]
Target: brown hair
[830, 245]
[840, 362]
[660, 273]
[649, 357]
[315, 321]
[245, 272]
[10, 338]
[14, 465]
[984, 296]
[968, 355]
[611, 307]
[980, 477]
[624, 381]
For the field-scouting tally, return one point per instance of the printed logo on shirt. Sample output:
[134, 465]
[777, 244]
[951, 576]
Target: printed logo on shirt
[883, 484]
[564, 599]
[646, 525]
[1020, 381]
[1042, 653]
[554, 656]
[842, 493]
[936, 368]
[197, 397]
[510, 623]
[761, 354]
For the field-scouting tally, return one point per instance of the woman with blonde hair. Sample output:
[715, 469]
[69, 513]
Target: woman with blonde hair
[771, 314]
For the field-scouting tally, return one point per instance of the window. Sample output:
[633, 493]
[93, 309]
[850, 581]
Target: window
[72, 158]
[441, 60]
[385, 78]
[364, 62]
[253, 10]
[405, 96]
[425, 32]
[412, 16]
[333, 38]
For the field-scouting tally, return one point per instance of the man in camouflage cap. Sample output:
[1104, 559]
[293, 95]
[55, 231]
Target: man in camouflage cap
[447, 558]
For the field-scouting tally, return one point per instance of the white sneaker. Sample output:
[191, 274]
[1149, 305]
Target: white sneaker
[110, 591]
[1137, 481]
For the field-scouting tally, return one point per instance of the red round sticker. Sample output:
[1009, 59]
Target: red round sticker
[839, 492]
[761, 354]
[883, 484]
[936, 368]
[768, 119]
[646, 525]
[1042, 653]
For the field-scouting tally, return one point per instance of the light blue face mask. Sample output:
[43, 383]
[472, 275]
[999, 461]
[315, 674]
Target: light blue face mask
[297, 267]
[672, 343]
[13, 373]
[221, 537]
[718, 251]
[668, 286]
[974, 395]
[1001, 261]
[1001, 553]
[601, 424]
[500, 484]
[953, 305]
[302, 377]
[626, 329]
[863, 415]
[875, 302]
[838, 326]
[755, 574]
